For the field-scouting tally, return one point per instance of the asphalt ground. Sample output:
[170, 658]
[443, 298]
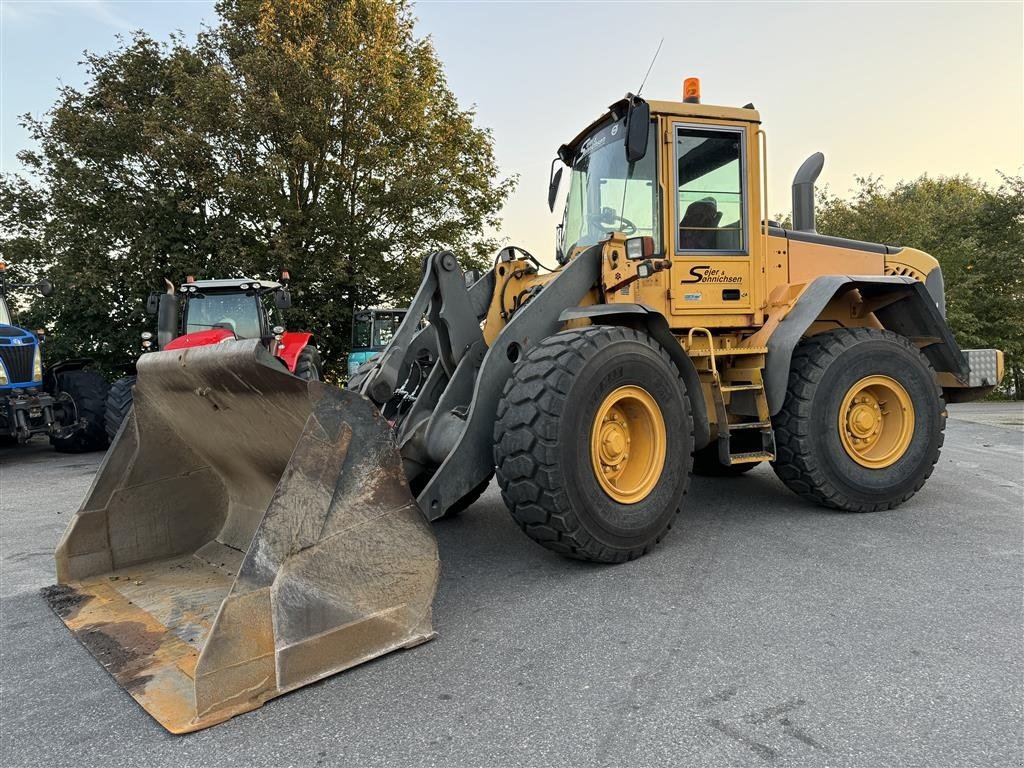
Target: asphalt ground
[763, 631]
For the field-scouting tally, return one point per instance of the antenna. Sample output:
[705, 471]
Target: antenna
[644, 81]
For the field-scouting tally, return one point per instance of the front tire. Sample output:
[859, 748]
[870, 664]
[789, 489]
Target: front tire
[119, 402]
[593, 443]
[308, 365]
[84, 394]
[862, 423]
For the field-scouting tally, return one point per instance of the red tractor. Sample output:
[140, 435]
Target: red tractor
[205, 312]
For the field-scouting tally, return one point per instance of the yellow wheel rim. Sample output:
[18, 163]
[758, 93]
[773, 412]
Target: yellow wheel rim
[628, 444]
[876, 421]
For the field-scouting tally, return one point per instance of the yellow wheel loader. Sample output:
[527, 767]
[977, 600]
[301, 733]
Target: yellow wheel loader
[250, 532]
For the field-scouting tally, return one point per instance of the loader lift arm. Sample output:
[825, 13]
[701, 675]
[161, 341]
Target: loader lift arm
[446, 437]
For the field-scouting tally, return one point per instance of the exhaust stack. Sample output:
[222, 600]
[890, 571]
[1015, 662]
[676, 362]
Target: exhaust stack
[803, 192]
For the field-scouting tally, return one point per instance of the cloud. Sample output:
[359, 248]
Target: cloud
[14, 12]
[104, 12]
[30, 11]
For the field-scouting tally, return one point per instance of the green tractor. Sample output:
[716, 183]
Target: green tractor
[372, 331]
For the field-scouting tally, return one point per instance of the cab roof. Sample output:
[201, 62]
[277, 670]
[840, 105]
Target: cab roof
[705, 111]
[617, 111]
[231, 284]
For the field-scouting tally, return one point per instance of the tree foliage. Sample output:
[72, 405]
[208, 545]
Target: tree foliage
[317, 136]
[975, 232]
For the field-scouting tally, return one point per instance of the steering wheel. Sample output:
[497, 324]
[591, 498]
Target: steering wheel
[227, 324]
[626, 226]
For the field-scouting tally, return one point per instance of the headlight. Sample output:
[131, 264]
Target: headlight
[3, 375]
[37, 365]
[639, 247]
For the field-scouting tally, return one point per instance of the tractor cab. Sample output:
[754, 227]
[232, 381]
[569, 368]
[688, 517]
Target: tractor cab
[236, 308]
[204, 312]
[372, 331]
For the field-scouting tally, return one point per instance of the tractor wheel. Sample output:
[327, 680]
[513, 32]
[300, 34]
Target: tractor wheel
[119, 403]
[861, 426]
[356, 379]
[706, 463]
[593, 443]
[308, 365]
[84, 396]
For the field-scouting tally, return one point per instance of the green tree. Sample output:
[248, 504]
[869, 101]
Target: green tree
[975, 232]
[316, 136]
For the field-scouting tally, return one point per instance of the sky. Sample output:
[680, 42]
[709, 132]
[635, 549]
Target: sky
[894, 90]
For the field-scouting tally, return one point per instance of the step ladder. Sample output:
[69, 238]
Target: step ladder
[739, 378]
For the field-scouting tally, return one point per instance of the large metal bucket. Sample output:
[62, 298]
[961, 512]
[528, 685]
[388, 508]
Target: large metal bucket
[247, 533]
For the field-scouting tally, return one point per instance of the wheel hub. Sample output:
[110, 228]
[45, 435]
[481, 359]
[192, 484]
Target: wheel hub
[876, 421]
[628, 444]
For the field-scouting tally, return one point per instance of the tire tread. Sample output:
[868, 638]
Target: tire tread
[526, 442]
[795, 463]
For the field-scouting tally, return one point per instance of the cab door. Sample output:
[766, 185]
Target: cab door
[712, 275]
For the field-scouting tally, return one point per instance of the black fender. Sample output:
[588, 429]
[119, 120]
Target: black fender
[914, 314]
[642, 317]
[51, 372]
[936, 286]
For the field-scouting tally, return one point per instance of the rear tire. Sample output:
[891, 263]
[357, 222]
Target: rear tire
[553, 427]
[308, 365]
[119, 404]
[816, 454]
[87, 393]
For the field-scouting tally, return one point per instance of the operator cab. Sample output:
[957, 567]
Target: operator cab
[689, 193]
[240, 305]
[609, 193]
[373, 329]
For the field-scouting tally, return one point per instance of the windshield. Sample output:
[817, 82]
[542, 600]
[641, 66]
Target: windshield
[236, 311]
[5, 315]
[606, 194]
[383, 329]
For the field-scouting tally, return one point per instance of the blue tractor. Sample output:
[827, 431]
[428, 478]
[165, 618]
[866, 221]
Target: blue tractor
[372, 330]
[64, 401]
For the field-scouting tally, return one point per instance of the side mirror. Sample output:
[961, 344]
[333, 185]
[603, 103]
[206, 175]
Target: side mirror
[45, 287]
[282, 299]
[556, 179]
[153, 303]
[167, 319]
[638, 126]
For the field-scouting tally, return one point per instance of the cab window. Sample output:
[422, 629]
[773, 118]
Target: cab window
[709, 190]
[609, 194]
